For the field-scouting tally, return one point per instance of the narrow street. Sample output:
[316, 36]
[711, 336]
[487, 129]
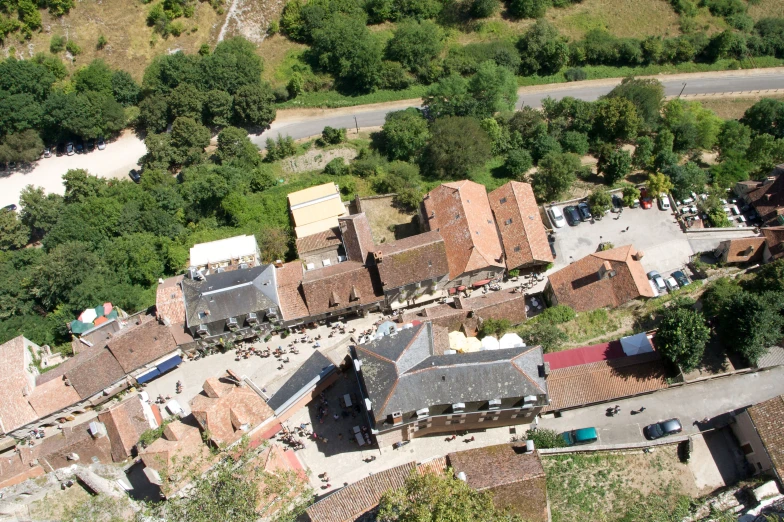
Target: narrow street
[688, 403]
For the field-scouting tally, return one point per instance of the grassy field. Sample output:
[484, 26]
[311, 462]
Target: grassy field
[766, 8]
[619, 487]
[733, 108]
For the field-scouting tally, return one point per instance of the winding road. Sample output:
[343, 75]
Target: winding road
[122, 155]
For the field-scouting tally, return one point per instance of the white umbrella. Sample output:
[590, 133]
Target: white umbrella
[88, 316]
[490, 343]
[511, 340]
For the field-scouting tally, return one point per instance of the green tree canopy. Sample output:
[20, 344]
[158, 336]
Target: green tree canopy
[750, 323]
[543, 50]
[614, 164]
[682, 336]
[647, 95]
[658, 184]
[599, 201]
[555, 175]
[404, 134]
[494, 88]
[95, 77]
[457, 145]
[234, 145]
[616, 120]
[254, 105]
[13, 233]
[416, 44]
[766, 117]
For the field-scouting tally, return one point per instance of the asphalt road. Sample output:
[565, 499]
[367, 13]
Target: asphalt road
[121, 155]
[695, 84]
[688, 403]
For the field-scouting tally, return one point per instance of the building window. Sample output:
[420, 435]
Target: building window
[517, 248]
[508, 221]
[747, 449]
[502, 200]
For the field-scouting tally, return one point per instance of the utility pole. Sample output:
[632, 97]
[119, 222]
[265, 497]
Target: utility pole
[684, 88]
[356, 125]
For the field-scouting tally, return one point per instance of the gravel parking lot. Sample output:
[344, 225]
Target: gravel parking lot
[655, 232]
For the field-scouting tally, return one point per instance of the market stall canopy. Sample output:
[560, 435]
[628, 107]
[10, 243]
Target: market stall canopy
[511, 340]
[636, 344]
[490, 343]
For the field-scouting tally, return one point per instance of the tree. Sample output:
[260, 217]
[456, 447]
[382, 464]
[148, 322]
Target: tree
[137, 257]
[543, 50]
[686, 179]
[333, 136]
[160, 155]
[218, 108]
[718, 296]
[40, 211]
[154, 113]
[254, 105]
[80, 185]
[658, 184]
[495, 327]
[614, 164]
[682, 336]
[415, 45]
[188, 141]
[734, 140]
[484, 8]
[643, 153]
[765, 152]
[235, 146]
[19, 112]
[24, 147]
[545, 439]
[630, 195]
[749, 324]
[346, 48]
[599, 201]
[404, 134]
[544, 334]
[185, 100]
[766, 117]
[432, 498]
[13, 233]
[529, 8]
[96, 77]
[494, 88]
[730, 171]
[518, 163]
[555, 175]
[457, 145]
[768, 278]
[449, 97]
[125, 89]
[647, 95]
[616, 119]
[575, 142]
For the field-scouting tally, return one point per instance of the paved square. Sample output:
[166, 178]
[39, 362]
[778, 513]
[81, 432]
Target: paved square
[655, 232]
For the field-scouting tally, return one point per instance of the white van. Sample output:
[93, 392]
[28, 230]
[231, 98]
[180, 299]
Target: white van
[664, 202]
[557, 217]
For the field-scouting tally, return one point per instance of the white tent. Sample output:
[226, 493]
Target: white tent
[490, 343]
[472, 345]
[457, 341]
[636, 344]
[511, 340]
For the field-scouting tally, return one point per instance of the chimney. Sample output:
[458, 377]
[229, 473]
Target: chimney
[378, 256]
[278, 263]
[544, 369]
[397, 418]
[606, 271]
[638, 255]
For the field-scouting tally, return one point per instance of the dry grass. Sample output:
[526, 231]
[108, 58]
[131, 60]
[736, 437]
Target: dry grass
[383, 214]
[732, 108]
[767, 8]
[279, 55]
[624, 18]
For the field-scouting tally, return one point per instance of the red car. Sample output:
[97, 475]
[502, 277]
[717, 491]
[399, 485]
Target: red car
[645, 200]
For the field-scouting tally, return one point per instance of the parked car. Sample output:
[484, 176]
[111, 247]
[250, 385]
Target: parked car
[69, 149]
[551, 241]
[671, 283]
[681, 278]
[47, 152]
[90, 146]
[10, 208]
[585, 211]
[657, 279]
[101, 144]
[60, 150]
[557, 217]
[664, 202]
[572, 217]
[79, 148]
[645, 199]
[617, 203]
[662, 429]
[581, 436]
[135, 175]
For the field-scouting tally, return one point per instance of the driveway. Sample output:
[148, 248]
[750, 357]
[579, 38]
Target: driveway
[689, 403]
[654, 231]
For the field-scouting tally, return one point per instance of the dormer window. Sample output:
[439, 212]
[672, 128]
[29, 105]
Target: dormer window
[495, 404]
[458, 407]
[231, 322]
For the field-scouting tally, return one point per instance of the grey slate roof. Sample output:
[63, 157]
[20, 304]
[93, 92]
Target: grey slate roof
[310, 369]
[401, 373]
[229, 294]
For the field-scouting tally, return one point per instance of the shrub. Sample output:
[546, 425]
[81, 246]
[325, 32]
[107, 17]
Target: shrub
[336, 167]
[544, 438]
[56, 44]
[518, 162]
[546, 334]
[575, 74]
[484, 8]
[332, 136]
[558, 314]
[73, 48]
[496, 327]
[102, 41]
[274, 28]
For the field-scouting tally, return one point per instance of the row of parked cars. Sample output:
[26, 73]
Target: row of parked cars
[69, 148]
[575, 214]
[653, 431]
[661, 285]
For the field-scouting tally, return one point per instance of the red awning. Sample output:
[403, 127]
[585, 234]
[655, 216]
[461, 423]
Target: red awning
[460, 288]
[416, 323]
[452, 291]
[483, 282]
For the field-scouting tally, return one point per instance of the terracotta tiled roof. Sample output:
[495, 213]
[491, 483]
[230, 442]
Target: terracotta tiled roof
[52, 451]
[444, 316]
[326, 239]
[605, 381]
[460, 211]
[136, 346]
[743, 250]
[774, 237]
[340, 286]
[504, 304]
[52, 396]
[169, 304]
[413, 259]
[516, 481]
[768, 418]
[360, 497]
[292, 300]
[94, 370]
[124, 423]
[275, 460]
[228, 411]
[520, 225]
[436, 466]
[15, 385]
[578, 285]
[768, 199]
[357, 237]
[14, 468]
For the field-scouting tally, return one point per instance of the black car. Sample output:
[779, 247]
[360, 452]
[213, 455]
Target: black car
[60, 150]
[572, 217]
[79, 148]
[89, 146]
[69, 149]
[551, 240]
[663, 428]
[135, 175]
[617, 203]
[681, 278]
[585, 211]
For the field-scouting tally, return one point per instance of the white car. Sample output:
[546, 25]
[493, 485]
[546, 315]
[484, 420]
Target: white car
[658, 280]
[174, 408]
[664, 202]
[557, 217]
[671, 283]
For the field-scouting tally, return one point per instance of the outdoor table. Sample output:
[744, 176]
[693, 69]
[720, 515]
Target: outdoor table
[347, 400]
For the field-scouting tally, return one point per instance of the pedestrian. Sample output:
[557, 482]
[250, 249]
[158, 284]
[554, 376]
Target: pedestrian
[627, 229]
[336, 417]
[642, 409]
[340, 436]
